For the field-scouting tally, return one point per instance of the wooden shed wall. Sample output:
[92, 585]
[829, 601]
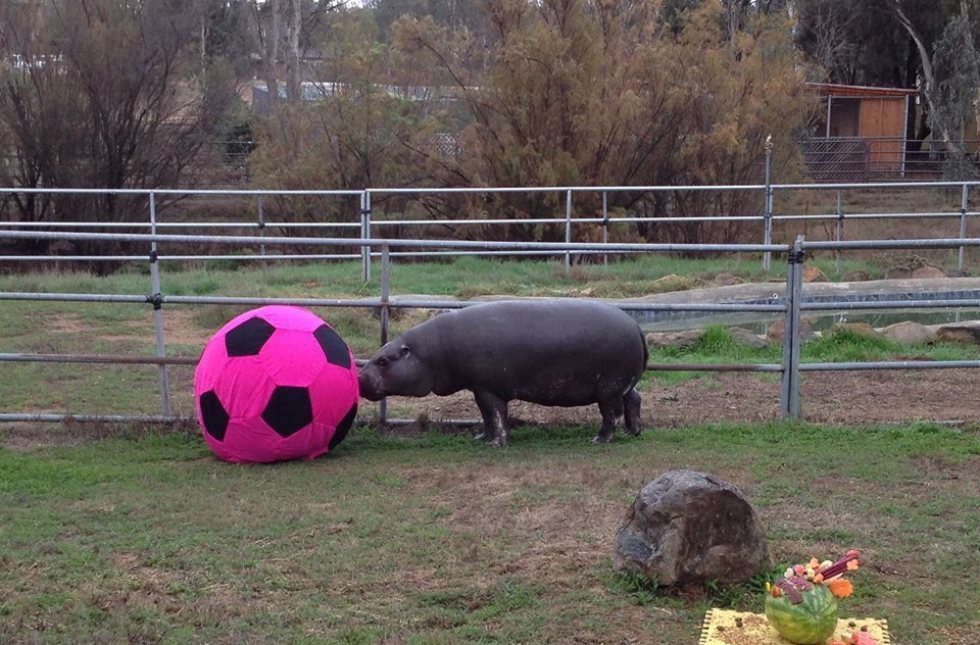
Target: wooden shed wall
[883, 118]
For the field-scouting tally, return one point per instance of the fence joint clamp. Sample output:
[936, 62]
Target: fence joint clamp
[156, 300]
[153, 257]
[795, 257]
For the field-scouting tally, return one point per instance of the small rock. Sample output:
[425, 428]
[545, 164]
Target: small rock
[671, 282]
[928, 272]
[857, 276]
[726, 279]
[685, 338]
[747, 338]
[860, 328]
[776, 332]
[687, 527]
[908, 333]
[813, 274]
[897, 273]
[963, 332]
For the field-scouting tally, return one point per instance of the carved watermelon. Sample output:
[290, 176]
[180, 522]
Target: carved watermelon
[808, 621]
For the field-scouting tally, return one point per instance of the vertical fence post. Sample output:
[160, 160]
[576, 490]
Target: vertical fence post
[605, 227]
[261, 225]
[840, 230]
[156, 299]
[789, 400]
[767, 216]
[385, 316]
[964, 206]
[568, 230]
[366, 234]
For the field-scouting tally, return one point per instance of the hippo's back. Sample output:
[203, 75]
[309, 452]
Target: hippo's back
[554, 352]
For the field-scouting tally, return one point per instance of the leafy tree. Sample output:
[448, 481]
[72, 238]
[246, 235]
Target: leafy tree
[954, 99]
[603, 92]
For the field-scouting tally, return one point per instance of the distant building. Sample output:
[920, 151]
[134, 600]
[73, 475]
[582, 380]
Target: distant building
[862, 133]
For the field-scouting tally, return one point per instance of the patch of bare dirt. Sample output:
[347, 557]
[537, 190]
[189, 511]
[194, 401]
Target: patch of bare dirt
[948, 396]
[178, 326]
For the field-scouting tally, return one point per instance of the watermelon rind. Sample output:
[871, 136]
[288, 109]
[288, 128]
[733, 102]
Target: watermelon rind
[810, 622]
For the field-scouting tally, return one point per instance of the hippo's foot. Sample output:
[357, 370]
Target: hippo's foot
[601, 438]
[631, 405]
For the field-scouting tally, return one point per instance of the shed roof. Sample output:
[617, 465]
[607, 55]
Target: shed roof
[858, 91]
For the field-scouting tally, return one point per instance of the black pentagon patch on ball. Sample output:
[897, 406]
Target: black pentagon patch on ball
[343, 427]
[333, 346]
[248, 338]
[214, 415]
[288, 410]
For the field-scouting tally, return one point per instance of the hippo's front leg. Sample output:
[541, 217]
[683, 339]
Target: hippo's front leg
[494, 411]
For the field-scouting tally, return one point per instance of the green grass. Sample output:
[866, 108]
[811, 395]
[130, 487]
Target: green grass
[717, 346]
[435, 539]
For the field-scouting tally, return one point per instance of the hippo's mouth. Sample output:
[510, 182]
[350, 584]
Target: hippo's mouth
[370, 392]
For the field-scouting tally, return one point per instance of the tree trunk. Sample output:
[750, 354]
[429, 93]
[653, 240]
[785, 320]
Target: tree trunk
[293, 83]
[272, 53]
[929, 87]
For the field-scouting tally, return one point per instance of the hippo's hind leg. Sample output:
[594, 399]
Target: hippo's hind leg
[494, 412]
[631, 401]
[611, 410]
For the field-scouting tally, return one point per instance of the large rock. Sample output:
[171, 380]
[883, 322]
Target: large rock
[962, 332]
[687, 527]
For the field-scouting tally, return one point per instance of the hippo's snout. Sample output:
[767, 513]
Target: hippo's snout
[368, 382]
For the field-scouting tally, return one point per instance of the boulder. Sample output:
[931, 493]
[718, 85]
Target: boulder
[962, 332]
[688, 527]
[908, 333]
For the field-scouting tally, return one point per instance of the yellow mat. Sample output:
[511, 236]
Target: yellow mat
[726, 627]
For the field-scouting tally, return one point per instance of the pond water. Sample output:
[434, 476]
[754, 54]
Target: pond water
[758, 321]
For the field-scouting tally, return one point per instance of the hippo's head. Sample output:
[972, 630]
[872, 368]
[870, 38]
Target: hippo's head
[395, 370]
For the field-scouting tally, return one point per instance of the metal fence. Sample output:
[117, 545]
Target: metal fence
[354, 213]
[790, 305]
[861, 159]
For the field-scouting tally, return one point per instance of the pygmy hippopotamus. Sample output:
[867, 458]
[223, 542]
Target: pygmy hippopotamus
[564, 352]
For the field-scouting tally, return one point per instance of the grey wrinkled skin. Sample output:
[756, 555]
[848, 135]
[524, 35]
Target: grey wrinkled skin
[560, 352]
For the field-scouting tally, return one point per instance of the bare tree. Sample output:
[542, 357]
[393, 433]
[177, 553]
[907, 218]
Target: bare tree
[99, 100]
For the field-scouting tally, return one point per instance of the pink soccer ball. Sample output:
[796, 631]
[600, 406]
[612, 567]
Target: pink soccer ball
[273, 384]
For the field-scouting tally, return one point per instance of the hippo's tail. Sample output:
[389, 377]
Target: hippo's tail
[646, 348]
